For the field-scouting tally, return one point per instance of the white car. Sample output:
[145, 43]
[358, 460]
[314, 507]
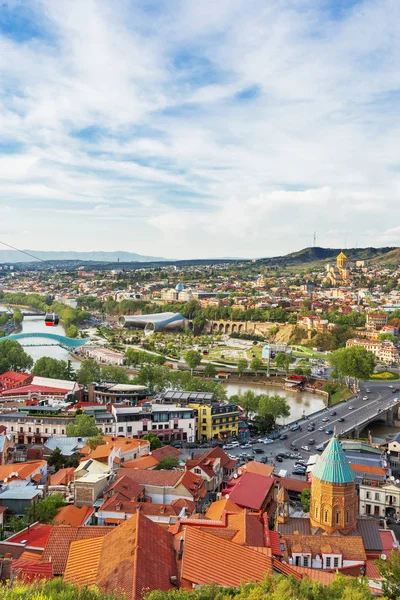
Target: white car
[235, 444]
[368, 391]
[365, 398]
[268, 441]
[321, 428]
[391, 387]
[306, 448]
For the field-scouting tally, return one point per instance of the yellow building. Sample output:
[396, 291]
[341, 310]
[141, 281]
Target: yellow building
[338, 274]
[216, 420]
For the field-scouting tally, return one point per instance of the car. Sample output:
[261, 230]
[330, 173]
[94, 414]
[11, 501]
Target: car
[365, 397]
[325, 419]
[300, 464]
[283, 436]
[306, 448]
[351, 407]
[283, 454]
[341, 419]
[311, 442]
[258, 451]
[321, 428]
[279, 458]
[176, 445]
[274, 435]
[298, 472]
[329, 431]
[393, 391]
[295, 448]
[268, 441]
[227, 447]
[333, 413]
[295, 427]
[243, 446]
[390, 387]
[368, 391]
[235, 444]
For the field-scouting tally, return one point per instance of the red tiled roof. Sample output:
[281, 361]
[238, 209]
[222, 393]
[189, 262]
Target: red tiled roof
[30, 571]
[156, 478]
[164, 451]
[62, 477]
[14, 376]
[57, 547]
[294, 485]
[208, 559]
[137, 556]
[251, 490]
[72, 515]
[25, 389]
[125, 487]
[387, 539]
[36, 536]
[372, 571]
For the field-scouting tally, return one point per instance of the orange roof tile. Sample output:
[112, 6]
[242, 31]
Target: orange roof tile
[62, 477]
[30, 555]
[216, 509]
[208, 559]
[83, 561]
[24, 469]
[71, 515]
[144, 462]
[368, 469]
[32, 571]
[259, 468]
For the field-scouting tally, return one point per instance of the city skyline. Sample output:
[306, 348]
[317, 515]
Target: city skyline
[195, 130]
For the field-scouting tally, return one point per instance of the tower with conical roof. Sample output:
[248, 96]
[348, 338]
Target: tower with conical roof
[341, 260]
[333, 491]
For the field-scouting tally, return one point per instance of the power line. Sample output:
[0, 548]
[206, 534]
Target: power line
[23, 252]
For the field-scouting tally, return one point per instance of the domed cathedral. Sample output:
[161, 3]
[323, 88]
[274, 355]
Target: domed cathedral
[338, 274]
[334, 500]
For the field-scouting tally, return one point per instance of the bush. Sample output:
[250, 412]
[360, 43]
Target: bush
[384, 375]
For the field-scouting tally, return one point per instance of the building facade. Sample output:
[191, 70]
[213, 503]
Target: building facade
[216, 420]
[168, 422]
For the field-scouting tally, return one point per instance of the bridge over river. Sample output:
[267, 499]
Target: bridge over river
[26, 339]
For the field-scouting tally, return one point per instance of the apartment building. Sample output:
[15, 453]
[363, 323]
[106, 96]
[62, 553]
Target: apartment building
[384, 352]
[34, 426]
[376, 320]
[380, 501]
[216, 420]
[168, 422]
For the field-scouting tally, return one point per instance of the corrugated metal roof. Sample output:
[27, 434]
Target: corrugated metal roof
[333, 465]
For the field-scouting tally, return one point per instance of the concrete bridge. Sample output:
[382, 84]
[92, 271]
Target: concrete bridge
[228, 327]
[61, 340]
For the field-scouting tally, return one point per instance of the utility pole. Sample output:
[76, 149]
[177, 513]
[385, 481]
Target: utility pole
[315, 238]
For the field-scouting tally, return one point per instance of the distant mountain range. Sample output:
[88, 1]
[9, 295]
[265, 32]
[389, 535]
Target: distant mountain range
[384, 256]
[13, 256]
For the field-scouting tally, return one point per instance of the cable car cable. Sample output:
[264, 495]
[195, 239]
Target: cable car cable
[23, 252]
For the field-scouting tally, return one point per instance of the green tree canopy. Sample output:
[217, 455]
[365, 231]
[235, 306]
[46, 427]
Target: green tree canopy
[89, 372]
[210, 370]
[83, 426]
[242, 365]
[117, 374]
[18, 317]
[256, 364]
[193, 359]
[72, 331]
[282, 361]
[51, 367]
[168, 463]
[305, 499]
[355, 361]
[389, 569]
[155, 442]
[13, 357]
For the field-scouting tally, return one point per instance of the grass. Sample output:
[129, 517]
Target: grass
[342, 393]
[384, 376]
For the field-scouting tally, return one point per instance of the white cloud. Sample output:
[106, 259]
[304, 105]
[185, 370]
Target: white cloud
[132, 115]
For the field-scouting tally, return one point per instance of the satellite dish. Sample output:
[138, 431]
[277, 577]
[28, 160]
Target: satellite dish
[391, 478]
[383, 556]
[239, 472]
[235, 476]
[397, 480]
[227, 497]
[5, 480]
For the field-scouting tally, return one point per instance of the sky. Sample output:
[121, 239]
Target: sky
[199, 128]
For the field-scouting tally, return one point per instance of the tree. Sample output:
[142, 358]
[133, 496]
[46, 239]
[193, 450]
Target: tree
[155, 442]
[210, 370]
[388, 337]
[355, 361]
[45, 510]
[117, 374]
[305, 498]
[72, 331]
[168, 463]
[389, 569]
[96, 441]
[89, 372]
[13, 357]
[193, 359]
[18, 317]
[51, 367]
[282, 361]
[132, 357]
[84, 426]
[242, 365]
[56, 459]
[256, 364]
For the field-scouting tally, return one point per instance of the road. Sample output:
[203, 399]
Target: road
[380, 397]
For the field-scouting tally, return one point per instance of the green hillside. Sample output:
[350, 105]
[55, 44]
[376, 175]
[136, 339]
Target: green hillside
[317, 255]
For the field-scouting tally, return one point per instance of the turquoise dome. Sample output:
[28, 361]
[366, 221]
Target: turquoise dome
[333, 466]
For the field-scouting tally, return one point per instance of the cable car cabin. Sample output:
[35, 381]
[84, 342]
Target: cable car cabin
[205, 352]
[51, 319]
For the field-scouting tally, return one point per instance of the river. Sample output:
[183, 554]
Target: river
[300, 404]
[37, 325]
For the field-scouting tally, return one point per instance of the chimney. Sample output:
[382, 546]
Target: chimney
[6, 568]
[180, 552]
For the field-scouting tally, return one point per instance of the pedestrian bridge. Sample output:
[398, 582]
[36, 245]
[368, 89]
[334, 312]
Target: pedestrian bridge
[61, 340]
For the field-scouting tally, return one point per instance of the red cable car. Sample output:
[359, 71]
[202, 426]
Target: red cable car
[51, 319]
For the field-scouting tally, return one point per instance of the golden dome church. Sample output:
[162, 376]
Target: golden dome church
[338, 274]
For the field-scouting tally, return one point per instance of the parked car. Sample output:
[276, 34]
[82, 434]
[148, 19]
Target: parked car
[258, 451]
[279, 458]
[275, 435]
[268, 441]
[306, 448]
[295, 427]
[283, 436]
[235, 444]
[245, 446]
[365, 397]
[351, 407]
[298, 472]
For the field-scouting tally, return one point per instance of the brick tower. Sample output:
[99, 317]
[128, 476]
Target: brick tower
[333, 491]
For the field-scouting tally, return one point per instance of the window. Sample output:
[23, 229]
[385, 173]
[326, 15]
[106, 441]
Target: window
[120, 428]
[12, 428]
[297, 560]
[45, 430]
[337, 518]
[316, 512]
[22, 430]
[305, 561]
[204, 428]
[328, 562]
[368, 495]
[166, 426]
[54, 431]
[326, 516]
[129, 429]
[347, 514]
[336, 562]
[37, 429]
[204, 420]
[377, 496]
[29, 429]
[197, 471]
[62, 431]
[204, 411]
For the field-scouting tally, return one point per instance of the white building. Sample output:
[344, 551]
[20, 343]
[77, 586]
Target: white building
[168, 422]
[380, 501]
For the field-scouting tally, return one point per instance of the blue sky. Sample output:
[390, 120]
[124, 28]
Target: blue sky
[196, 129]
